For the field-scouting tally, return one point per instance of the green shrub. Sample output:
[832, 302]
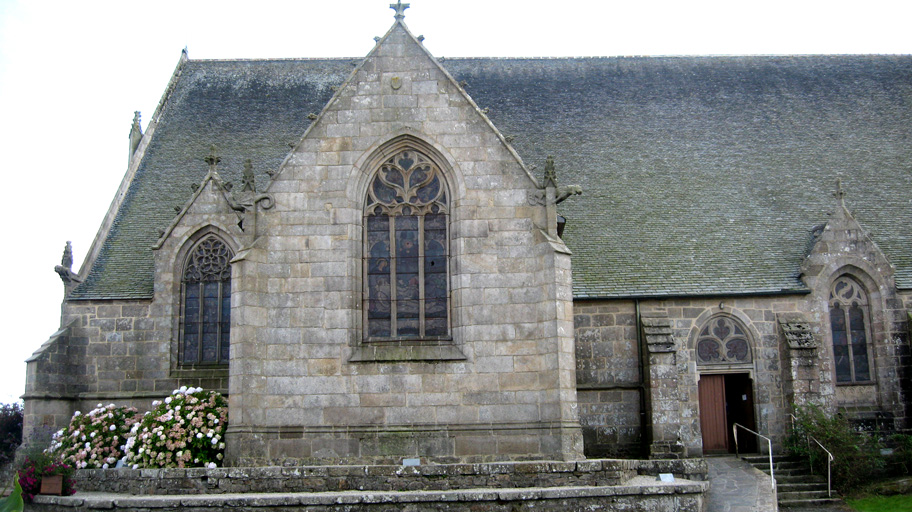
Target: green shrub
[858, 458]
[10, 431]
[902, 453]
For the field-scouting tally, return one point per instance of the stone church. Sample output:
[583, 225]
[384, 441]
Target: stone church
[502, 259]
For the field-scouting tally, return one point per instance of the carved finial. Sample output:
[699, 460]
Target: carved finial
[194, 187]
[312, 116]
[550, 174]
[67, 260]
[213, 159]
[65, 269]
[376, 39]
[421, 39]
[248, 181]
[400, 9]
[135, 134]
[840, 193]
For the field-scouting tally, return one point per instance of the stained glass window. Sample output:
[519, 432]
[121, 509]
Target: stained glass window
[206, 291]
[723, 340]
[406, 245]
[848, 326]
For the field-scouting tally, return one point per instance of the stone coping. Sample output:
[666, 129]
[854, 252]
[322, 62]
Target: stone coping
[640, 486]
[425, 477]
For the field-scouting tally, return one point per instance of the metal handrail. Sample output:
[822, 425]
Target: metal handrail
[769, 443]
[830, 457]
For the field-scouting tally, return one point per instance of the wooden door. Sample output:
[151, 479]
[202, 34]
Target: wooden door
[713, 419]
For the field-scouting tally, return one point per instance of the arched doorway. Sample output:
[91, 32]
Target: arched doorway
[725, 388]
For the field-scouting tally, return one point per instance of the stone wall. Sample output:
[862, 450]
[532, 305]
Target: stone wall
[148, 482]
[608, 376]
[609, 368]
[642, 493]
[309, 386]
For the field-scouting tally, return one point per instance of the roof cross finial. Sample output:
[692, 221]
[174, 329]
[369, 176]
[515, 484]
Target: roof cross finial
[213, 159]
[400, 9]
[840, 193]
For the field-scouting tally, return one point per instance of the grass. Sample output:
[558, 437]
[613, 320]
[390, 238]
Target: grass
[898, 503]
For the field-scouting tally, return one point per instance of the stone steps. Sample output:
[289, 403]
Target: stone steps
[796, 486]
[809, 503]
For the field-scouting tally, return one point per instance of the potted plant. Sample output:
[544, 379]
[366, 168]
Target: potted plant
[42, 473]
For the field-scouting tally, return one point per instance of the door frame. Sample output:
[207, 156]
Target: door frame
[728, 371]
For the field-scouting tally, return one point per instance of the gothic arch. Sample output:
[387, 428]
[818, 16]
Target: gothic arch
[722, 339]
[201, 265]
[366, 166]
[737, 316]
[406, 286]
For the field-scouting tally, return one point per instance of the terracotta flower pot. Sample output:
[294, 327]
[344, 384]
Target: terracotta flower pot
[52, 485]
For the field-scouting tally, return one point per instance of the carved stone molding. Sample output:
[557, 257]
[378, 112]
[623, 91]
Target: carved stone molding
[657, 332]
[797, 330]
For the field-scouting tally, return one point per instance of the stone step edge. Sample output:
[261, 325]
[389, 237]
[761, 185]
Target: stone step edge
[812, 502]
[636, 486]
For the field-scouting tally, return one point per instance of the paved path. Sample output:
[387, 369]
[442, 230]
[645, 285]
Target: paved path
[735, 486]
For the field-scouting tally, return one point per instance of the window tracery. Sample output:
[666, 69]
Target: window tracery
[723, 340]
[206, 304]
[406, 292]
[849, 328]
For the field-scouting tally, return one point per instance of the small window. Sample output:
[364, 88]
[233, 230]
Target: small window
[206, 304]
[406, 292]
[849, 328]
[723, 340]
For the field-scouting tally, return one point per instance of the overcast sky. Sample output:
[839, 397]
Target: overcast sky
[72, 73]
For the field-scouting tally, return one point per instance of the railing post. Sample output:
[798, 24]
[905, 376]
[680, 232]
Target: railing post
[769, 444]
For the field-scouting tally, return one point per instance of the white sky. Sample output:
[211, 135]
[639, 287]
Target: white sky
[72, 73]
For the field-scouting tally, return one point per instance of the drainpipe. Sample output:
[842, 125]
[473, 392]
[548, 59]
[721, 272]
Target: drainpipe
[641, 353]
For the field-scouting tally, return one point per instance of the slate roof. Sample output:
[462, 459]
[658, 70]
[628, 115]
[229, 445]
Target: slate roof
[701, 175]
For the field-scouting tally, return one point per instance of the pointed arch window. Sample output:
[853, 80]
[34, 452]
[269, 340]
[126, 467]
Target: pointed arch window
[206, 304]
[723, 340]
[849, 324]
[406, 291]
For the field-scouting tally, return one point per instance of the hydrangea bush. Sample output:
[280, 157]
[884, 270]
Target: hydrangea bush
[186, 430]
[95, 439]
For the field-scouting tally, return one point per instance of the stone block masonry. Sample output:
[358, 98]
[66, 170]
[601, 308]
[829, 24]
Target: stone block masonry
[534, 485]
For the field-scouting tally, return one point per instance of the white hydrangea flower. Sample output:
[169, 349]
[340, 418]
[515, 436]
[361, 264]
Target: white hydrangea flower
[212, 465]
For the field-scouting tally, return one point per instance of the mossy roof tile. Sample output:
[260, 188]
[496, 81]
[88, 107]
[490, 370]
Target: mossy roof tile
[701, 175]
